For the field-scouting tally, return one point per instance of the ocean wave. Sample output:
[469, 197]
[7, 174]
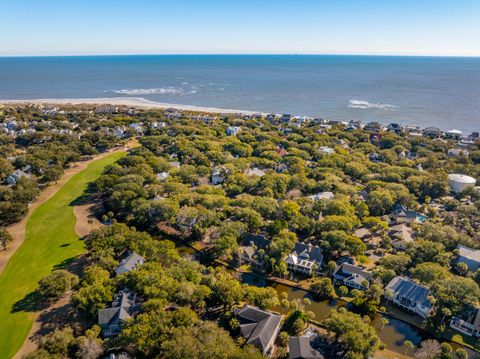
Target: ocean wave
[158, 91]
[369, 105]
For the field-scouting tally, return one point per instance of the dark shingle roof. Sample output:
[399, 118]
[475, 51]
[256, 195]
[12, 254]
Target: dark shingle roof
[300, 348]
[257, 326]
[410, 290]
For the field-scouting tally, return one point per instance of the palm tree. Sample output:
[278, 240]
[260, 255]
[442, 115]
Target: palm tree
[408, 345]
[384, 321]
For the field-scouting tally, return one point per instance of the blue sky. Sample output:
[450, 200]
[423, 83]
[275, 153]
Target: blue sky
[409, 27]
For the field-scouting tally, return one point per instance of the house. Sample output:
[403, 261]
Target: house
[457, 152]
[401, 235]
[325, 196]
[16, 176]
[324, 150]
[432, 132]
[467, 321]
[454, 134]
[304, 259]
[254, 172]
[218, 175]
[249, 250]
[355, 125]
[373, 126]
[469, 256]
[410, 295]
[400, 214]
[122, 309]
[232, 130]
[395, 128]
[352, 276]
[375, 157]
[162, 176]
[303, 348]
[285, 118]
[259, 327]
[128, 262]
[174, 164]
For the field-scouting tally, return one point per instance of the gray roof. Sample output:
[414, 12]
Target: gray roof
[121, 310]
[469, 256]
[257, 326]
[353, 273]
[258, 240]
[129, 261]
[300, 348]
[305, 252]
[409, 290]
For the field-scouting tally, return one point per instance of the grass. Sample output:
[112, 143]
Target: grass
[50, 241]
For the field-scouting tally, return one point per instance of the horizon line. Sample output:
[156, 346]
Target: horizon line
[243, 54]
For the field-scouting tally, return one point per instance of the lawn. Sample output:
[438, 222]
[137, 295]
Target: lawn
[50, 240]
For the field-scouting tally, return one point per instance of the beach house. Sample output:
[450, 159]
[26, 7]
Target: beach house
[122, 309]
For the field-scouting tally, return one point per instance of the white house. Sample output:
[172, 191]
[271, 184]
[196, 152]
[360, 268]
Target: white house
[304, 259]
[410, 295]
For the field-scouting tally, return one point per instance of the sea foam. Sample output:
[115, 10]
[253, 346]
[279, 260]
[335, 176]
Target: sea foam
[369, 105]
[158, 91]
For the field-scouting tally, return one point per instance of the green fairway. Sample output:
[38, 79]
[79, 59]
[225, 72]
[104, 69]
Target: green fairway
[50, 240]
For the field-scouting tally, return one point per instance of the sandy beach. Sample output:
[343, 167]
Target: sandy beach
[123, 101]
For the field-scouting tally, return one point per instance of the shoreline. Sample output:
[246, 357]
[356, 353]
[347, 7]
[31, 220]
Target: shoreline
[139, 102]
[143, 103]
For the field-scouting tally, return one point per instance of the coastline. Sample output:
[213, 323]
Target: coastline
[124, 101]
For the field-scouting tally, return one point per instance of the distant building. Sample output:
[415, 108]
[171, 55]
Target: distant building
[459, 182]
[352, 276]
[324, 150]
[16, 176]
[410, 295]
[395, 128]
[467, 321]
[325, 196]
[457, 152]
[162, 176]
[218, 175]
[432, 132]
[400, 214]
[259, 327]
[373, 126]
[454, 134]
[128, 262]
[469, 256]
[122, 309]
[254, 172]
[304, 258]
[232, 130]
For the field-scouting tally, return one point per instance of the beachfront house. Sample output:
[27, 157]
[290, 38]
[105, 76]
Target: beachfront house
[467, 321]
[352, 276]
[432, 132]
[304, 347]
[409, 295]
[469, 256]
[129, 261]
[373, 126]
[454, 135]
[252, 250]
[122, 309]
[305, 259]
[395, 128]
[259, 327]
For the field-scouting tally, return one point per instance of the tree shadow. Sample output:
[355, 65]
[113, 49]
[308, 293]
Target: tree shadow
[32, 302]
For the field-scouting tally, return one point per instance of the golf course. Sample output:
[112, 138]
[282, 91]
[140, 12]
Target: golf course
[50, 241]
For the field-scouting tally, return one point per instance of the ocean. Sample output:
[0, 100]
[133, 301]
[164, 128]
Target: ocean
[424, 91]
